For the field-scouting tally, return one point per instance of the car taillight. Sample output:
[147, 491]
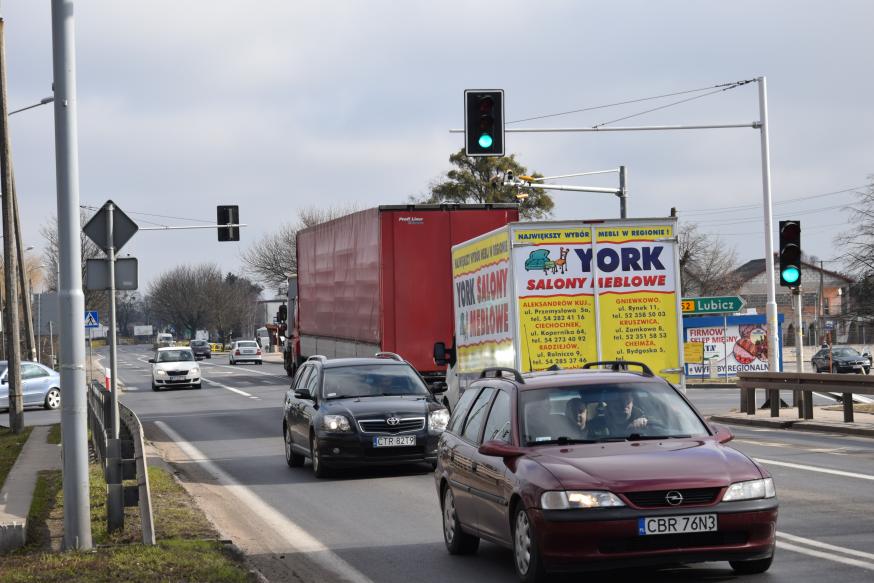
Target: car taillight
[259, 352]
[237, 352]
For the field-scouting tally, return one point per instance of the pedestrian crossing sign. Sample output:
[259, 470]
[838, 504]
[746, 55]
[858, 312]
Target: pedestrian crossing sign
[91, 320]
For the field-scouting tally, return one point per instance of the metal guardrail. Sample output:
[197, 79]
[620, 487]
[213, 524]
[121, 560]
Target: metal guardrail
[804, 385]
[122, 459]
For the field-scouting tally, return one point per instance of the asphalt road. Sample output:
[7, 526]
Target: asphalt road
[384, 526]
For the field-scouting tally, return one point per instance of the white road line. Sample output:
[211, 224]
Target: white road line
[822, 555]
[232, 389]
[237, 367]
[295, 536]
[826, 546]
[829, 450]
[815, 469]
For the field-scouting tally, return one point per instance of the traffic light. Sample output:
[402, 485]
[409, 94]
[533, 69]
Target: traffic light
[790, 254]
[228, 215]
[484, 122]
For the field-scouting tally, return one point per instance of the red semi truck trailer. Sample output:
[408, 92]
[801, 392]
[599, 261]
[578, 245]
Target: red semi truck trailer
[380, 280]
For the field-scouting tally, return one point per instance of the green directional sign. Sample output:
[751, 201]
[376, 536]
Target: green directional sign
[715, 305]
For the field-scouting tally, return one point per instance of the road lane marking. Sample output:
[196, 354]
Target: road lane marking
[816, 469]
[295, 536]
[237, 368]
[232, 389]
[826, 546]
[830, 450]
[826, 556]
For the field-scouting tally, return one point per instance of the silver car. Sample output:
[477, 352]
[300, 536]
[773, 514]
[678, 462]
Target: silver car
[244, 351]
[40, 385]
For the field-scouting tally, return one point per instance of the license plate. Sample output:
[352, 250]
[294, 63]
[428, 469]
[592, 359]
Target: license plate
[676, 524]
[394, 441]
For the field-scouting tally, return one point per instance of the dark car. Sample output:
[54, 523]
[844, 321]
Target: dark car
[361, 411]
[201, 349]
[842, 359]
[578, 470]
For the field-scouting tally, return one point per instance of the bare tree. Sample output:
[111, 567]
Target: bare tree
[274, 256]
[857, 243]
[128, 306]
[94, 300]
[178, 297]
[707, 264]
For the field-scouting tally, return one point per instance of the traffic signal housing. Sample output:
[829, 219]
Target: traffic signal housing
[228, 215]
[484, 122]
[790, 254]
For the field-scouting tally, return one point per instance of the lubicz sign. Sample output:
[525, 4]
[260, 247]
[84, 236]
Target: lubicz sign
[712, 305]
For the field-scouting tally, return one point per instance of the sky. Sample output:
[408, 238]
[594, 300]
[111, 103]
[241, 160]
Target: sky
[278, 106]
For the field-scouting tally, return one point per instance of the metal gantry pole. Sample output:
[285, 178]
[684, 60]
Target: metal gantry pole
[71, 300]
[771, 306]
[623, 193]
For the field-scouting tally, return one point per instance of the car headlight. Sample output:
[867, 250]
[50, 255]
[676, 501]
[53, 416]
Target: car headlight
[438, 420]
[579, 499]
[195, 370]
[335, 423]
[160, 372]
[750, 490]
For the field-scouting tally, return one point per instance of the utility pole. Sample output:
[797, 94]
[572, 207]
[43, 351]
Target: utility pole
[13, 338]
[30, 345]
[71, 300]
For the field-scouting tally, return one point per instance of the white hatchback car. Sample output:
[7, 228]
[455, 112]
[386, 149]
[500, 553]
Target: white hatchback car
[175, 366]
[243, 351]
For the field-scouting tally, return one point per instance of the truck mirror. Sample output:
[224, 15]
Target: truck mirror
[440, 353]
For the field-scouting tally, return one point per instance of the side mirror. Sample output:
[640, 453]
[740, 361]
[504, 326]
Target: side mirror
[438, 387]
[152, 360]
[499, 449]
[722, 433]
[443, 355]
[303, 394]
[3, 381]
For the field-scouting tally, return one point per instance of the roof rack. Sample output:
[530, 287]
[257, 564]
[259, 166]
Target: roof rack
[319, 357]
[498, 370]
[617, 365]
[390, 355]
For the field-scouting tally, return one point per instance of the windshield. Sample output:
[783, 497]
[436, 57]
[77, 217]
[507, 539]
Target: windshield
[175, 356]
[374, 380]
[845, 352]
[615, 412]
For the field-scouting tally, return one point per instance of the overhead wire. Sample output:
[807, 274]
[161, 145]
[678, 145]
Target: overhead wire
[595, 107]
[724, 209]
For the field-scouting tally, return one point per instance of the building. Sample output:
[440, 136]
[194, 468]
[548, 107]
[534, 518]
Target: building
[825, 303]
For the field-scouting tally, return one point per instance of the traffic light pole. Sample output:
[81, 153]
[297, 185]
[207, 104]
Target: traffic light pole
[762, 126]
[529, 183]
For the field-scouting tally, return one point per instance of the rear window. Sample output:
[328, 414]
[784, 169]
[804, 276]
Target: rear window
[247, 344]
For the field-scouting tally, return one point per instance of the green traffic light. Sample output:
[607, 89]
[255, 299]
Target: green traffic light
[791, 274]
[485, 141]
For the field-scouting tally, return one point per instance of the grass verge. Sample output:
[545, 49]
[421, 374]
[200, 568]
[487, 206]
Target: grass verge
[857, 408]
[186, 549]
[10, 447]
[54, 434]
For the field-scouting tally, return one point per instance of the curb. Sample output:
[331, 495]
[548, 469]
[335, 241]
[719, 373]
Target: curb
[811, 425]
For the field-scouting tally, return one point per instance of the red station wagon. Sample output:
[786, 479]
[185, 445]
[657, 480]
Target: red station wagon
[592, 469]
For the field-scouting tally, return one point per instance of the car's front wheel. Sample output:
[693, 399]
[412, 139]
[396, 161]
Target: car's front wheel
[294, 460]
[457, 541]
[154, 386]
[526, 556]
[319, 467]
[53, 399]
[752, 567]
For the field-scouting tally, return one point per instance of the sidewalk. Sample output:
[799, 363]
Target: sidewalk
[37, 455]
[824, 420]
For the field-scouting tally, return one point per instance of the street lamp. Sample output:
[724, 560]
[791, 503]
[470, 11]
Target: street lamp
[43, 101]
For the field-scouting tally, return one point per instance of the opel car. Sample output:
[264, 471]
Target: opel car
[361, 411]
[40, 385]
[175, 366]
[588, 469]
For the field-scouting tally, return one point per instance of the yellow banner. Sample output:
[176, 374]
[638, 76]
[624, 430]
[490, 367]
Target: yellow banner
[552, 236]
[557, 330]
[481, 253]
[637, 233]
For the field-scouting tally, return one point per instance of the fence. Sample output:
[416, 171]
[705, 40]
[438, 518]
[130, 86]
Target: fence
[804, 385]
[121, 459]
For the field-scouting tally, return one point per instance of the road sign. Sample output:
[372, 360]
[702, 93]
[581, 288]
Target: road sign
[91, 319]
[693, 351]
[712, 305]
[97, 274]
[830, 325]
[123, 228]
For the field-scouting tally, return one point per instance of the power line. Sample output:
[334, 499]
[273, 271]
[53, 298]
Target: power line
[592, 108]
[738, 84]
[93, 208]
[742, 220]
[758, 205]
